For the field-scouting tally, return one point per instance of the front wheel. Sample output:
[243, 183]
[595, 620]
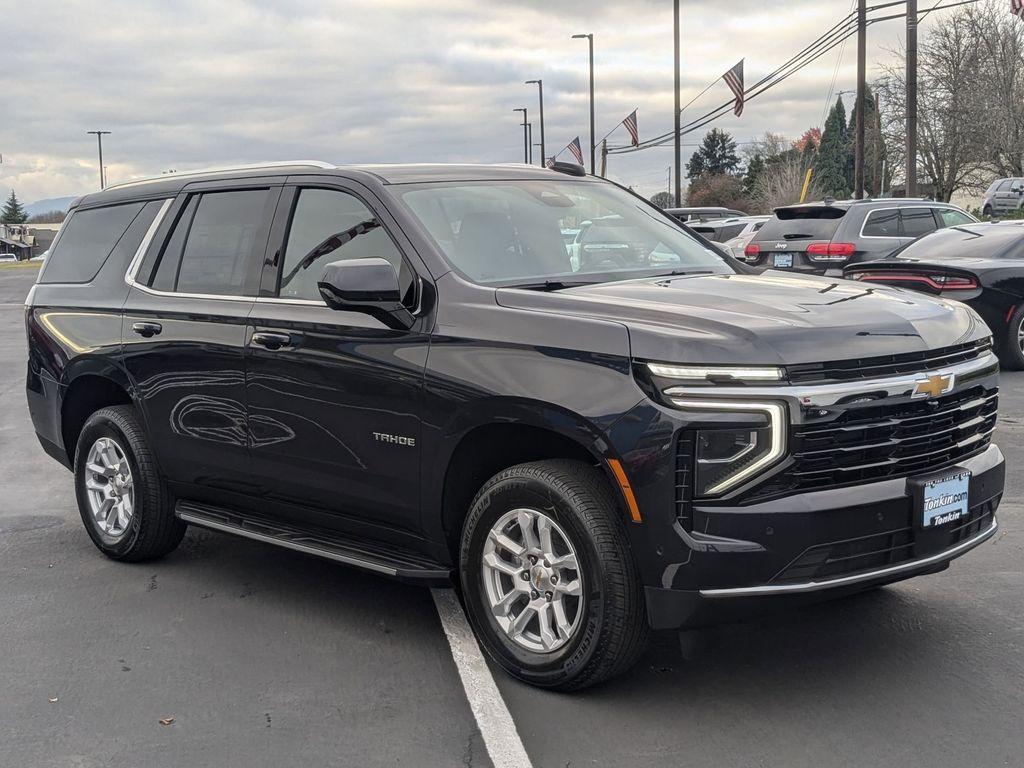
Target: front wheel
[548, 577]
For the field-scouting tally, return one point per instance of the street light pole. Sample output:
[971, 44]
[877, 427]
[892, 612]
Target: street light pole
[99, 141]
[678, 110]
[593, 147]
[526, 143]
[529, 143]
[540, 93]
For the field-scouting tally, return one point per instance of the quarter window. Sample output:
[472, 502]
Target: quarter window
[213, 247]
[917, 221]
[882, 224]
[88, 239]
[329, 226]
[951, 218]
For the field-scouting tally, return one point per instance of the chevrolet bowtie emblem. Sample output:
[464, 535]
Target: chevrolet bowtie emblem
[933, 386]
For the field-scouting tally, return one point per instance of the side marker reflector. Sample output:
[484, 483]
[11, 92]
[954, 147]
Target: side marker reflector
[627, 490]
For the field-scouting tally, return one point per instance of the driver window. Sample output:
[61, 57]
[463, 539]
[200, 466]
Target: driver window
[328, 225]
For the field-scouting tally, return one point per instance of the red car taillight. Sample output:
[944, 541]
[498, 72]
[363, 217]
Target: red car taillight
[752, 251]
[933, 281]
[831, 251]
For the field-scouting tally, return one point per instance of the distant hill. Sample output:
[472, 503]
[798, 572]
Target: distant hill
[51, 204]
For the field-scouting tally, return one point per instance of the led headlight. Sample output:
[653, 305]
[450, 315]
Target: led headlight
[728, 457]
[708, 373]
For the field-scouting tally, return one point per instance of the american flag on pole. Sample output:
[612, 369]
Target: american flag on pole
[734, 79]
[576, 149]
[1017, 8]
[634, 134]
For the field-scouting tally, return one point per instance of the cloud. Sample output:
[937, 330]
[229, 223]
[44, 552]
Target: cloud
[204, 82]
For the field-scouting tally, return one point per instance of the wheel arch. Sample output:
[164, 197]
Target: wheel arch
[494, 436]
[88, 386]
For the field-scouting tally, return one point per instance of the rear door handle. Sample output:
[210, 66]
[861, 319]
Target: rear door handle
[147, 330]
[271, 340]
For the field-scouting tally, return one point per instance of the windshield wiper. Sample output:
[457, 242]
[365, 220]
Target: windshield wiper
[687, 272]
[332, 243]
[550, 285]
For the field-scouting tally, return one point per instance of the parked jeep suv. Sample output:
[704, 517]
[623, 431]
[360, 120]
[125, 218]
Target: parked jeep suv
[822, 238]
[397, 368]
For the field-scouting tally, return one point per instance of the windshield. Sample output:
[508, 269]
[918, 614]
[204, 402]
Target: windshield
[512, 233]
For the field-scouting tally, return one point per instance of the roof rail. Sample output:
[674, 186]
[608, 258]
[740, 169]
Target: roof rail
[224, 169]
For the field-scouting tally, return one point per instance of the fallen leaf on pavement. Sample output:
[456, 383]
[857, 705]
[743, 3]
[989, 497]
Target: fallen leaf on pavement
[166, 720]
[53, 699]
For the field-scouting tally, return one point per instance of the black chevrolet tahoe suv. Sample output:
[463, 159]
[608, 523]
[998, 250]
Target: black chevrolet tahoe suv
[402, 369]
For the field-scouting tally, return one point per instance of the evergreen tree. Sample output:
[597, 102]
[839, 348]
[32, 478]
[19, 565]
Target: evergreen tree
[755, 167]
[13, 212]
[874, 144]
[716, 155]
[834, 166]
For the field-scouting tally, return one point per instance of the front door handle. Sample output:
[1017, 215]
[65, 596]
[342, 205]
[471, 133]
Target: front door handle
[271, 340]
[147, 330]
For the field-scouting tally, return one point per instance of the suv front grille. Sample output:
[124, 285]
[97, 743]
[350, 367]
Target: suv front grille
[869, 553]
[888, 365]
[878, 442]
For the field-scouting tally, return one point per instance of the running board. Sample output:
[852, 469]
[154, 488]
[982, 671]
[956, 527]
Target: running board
[369, 556]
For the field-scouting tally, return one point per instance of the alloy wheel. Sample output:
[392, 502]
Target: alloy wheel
[532, 580]
[110, 488]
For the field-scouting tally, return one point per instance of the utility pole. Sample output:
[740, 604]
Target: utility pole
[911, 98]
[526, 143]
[593, 146]
[678, 109]
[604, 157]
[99, 141]
[858, 151]
[540, 92]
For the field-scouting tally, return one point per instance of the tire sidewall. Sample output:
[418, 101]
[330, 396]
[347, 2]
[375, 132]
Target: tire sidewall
[1013, 357]
[101, 425]
[493, 502]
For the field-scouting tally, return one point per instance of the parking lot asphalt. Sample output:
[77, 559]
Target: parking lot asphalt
[265, 657]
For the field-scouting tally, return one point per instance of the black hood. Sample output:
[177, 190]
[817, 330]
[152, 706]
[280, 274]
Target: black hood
[769, 319]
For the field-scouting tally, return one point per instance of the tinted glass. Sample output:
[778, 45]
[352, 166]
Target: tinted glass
[882, 224]
[799, 228]
[728, 232]
[220, 246]
[951, 218]
[167, 268]
[510, 232]
[917, 221]
[322, 215]
[88, 239]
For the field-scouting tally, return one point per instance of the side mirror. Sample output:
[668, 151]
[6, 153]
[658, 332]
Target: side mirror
[369, 286]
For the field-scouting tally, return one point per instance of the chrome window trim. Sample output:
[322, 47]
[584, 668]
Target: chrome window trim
[935, 207]
[812, 396]
[812, 586]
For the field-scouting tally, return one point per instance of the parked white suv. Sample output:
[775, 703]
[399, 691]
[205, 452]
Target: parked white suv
[1003, 196]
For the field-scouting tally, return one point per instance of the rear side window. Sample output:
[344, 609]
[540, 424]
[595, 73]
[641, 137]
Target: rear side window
[213, 247]
[882, 224]
[917, 221]
[88, 239]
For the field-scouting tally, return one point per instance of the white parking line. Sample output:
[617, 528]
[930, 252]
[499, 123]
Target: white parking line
[497, 727]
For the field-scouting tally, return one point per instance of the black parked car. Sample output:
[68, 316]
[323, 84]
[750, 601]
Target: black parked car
[822, 238]
[981, 265]
[398, 368]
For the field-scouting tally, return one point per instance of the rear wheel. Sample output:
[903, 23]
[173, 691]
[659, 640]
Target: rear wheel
[1011, 351]
[549, 581]
[987, 212]
[127, 511]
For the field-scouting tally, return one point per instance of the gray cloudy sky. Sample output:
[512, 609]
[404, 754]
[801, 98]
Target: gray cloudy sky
[193, 83]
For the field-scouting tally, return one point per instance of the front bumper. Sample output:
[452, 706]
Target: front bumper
[813, 546]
